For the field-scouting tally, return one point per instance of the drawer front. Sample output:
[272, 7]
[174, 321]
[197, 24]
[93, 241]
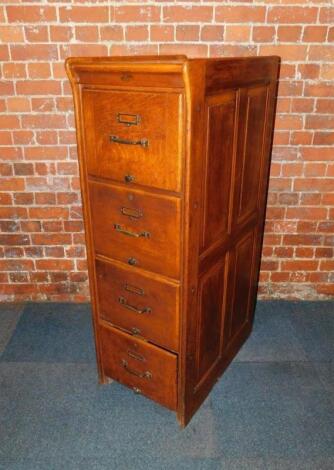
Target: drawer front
[134, 136]
[137, 228]
[146, 368]
[138, 303]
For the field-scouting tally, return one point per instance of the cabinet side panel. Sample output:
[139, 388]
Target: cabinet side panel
[250, 152]
[239, 122]
[220, 124]
[211, 291]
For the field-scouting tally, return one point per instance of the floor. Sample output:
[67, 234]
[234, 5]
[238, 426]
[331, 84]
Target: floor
[273, 408]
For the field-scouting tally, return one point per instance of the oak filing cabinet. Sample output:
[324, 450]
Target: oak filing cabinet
[174, 160]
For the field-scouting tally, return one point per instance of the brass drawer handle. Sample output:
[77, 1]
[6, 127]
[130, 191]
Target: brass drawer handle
[122, 300]
[128, 119]
[132, 213]
[132, 261]
[134, 289]
[119, 229]
[119, 140]
[142, 375]
[136, 356]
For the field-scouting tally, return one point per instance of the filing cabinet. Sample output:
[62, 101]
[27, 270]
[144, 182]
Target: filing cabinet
[174, 160]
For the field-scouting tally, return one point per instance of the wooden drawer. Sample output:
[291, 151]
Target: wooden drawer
[134, 135]
[146, 368]
[136, 227]
[139, 303]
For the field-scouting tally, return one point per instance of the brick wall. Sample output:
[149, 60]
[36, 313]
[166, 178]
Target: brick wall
[42, 254]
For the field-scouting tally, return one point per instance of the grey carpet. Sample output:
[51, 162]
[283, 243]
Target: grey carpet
[273, 408]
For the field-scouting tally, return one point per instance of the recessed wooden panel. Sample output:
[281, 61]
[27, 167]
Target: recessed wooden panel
[136, 301]
[210, 321]
[134, 134]
[240, 280]
[220, 150]
[250, 153]
[136, 227]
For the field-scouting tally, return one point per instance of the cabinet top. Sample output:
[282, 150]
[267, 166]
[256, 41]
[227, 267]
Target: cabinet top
[99, 70]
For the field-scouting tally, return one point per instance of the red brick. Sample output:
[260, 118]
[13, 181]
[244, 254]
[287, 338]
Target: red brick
[304, 252]
[289, 33]
[291, 52]
[292, 14]
[40, 121]
[12, 184]
[319, 90]
[13, 252]
[325, 106]
[38, 87]
[16, 265]
[53, 226]
[187, 14]
[6, 199]
[324, 252]
[39, 70]
[237, 50]
[315, 33]
[14, 70]
[24, 199]
[302, 239]
[23, 137]
[239, 14]
[192, 50]
[31, 226]
[138, 14]
[326, 289]
[111, 33]
[315, 169]
[31, 14]
[323, 138]
[240, 33]
[4, 52]
[61, 33]
[187, 33]
[6, 169]
[54, 252]
[136, 33]
[263, 33]
[22, 169]
[163, 33]
[326, 15]
[11, 34]
[84, 50]
[34, 52]
[54, 264]
[313, 184]
[36, 33]
[10, 153]
[299, 265]
[330, 36]
[325, 52]
[327, 265]
[302, 105]
[309, 70]
[212, 33]
[87, 33]
[326, 227]
[317, 154]
[306, 213]
[84, 14]
[51, 239]
[310, 199]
